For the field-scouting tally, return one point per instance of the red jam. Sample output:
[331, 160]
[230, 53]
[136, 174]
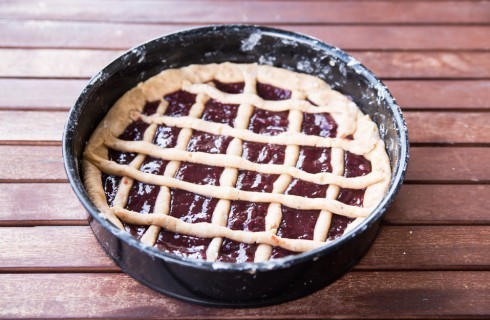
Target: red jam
[193, 208]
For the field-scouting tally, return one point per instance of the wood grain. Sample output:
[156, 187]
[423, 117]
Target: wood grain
[31, 164]
[56, 63]
[54, 94]
[427, 164]
[33, 204]
[447, 127]
[429, 248]
[434, 94]
[468, 127]
[32, 126]
[356, 295]
[39, 203]
[40, 248]
[426, 64]
[430, 259]
[63, 34]
[271, 12]
[438, 204]
[45, 94]
[396, 248]
[455, 165]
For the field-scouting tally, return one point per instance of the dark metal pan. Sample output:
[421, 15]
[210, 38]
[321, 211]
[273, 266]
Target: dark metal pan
[241, 284]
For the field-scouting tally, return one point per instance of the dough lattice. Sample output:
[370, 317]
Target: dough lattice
[356, 133]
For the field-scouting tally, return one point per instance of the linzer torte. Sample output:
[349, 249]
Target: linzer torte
[235, 163]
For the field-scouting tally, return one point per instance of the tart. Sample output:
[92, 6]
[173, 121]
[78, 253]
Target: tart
[235, 163]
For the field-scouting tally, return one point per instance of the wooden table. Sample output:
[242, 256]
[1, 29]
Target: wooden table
[432, 256]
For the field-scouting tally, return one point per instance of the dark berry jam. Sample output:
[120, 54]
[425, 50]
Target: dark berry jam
[166, 137]
[179, 103]
[111, 185]
[206, 142]
[150, 108]
[243, 216]
[295, 224]
[234, 87]
[319, 124]
[215, 111]
[133, 132]
[268, 92]
[142, 196]
[300, 224]
[248, 216]
[355, 166]
[338, 226]
[263, 153]
[268, 123]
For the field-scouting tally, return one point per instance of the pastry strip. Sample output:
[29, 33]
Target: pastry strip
[274, 211]
[287, 138]
[230, 174]
[237, 162]
[196, 78]
[162, 202]
[275, 106]
[231, 193]
[209, 230]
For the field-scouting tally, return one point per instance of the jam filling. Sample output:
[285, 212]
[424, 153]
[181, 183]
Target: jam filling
[268, 92]
[133, 132]
[248, 216]
[232, 87]
[142, 196]
[355, 166]
[300, 224]
[221, 113]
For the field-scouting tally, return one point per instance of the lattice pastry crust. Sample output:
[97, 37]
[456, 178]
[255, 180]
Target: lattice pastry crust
[356, 133]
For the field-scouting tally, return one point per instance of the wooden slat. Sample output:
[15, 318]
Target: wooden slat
[39, 203]
[356, 295]
[32, 126]
[53, 94]
[252, 12]
[54, 63]
[55, 203]
[61, 34]
[448, 127]
[440, 204]
[427, 64]
[86, 63]
[456, 164]
[31, 163]
[449, 164]
[29, 94]
[439, 127]
[434, 94]
[38, 248]
[429, 247]
[396, 248]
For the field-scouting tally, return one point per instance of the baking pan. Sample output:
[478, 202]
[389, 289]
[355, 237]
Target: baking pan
[238, 284]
